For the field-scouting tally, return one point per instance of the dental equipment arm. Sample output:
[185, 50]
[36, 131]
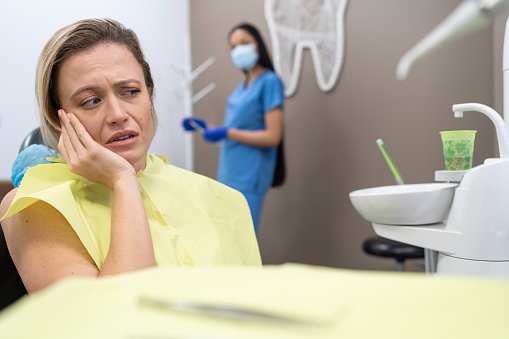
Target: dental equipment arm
[502, 134]
[493, 5]
[505, 76]
[468, 17]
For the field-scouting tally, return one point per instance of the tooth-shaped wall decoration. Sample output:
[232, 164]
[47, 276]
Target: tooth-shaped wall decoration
[317, 25]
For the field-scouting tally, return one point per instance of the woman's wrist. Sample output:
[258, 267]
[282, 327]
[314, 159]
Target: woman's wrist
[124, 181]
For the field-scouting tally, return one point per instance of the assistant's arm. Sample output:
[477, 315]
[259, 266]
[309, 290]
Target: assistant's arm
[269, 137]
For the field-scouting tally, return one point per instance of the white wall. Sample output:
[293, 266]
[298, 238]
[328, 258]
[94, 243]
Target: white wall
[162, 27]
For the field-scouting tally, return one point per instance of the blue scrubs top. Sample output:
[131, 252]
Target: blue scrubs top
[243, 167]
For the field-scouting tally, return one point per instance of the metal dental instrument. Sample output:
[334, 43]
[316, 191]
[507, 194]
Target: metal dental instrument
[197, 126]
[224, 311]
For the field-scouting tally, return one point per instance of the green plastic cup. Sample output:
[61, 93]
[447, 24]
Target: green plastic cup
[458, 149]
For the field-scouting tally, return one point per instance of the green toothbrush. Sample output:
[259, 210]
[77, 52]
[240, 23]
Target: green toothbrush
[392, 165]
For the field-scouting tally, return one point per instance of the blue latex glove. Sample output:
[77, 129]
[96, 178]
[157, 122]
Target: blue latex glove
[189, 126]
[215, 134]
[31, 156]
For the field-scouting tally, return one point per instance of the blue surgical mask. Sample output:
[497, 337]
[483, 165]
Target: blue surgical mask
[244, 56]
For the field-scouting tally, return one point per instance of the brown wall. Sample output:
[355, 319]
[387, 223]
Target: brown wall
[5, 187]
[330, 137]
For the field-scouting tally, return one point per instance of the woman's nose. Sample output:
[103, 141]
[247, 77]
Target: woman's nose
[116, 112]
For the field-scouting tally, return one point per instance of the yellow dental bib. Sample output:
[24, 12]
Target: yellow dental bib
[194, 220]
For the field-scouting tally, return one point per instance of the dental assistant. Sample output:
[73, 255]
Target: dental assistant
[253, 124]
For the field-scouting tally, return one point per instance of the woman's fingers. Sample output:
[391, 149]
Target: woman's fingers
[70, 145]
[82, 134]
[63, 142]
[86, 157]
[74, 138]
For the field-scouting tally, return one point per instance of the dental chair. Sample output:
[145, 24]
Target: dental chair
[11, 286]
[33, 138]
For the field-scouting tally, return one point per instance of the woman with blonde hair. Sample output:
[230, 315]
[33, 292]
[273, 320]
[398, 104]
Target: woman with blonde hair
[107, 206]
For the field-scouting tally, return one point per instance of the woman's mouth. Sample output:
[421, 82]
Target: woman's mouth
[121, 139]
[124, 137]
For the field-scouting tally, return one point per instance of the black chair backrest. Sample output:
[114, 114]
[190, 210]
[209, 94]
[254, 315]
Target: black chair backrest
[34, 137]
[11, 286]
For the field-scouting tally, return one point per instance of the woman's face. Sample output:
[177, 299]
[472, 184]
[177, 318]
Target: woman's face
[105, 88]
[242, 37]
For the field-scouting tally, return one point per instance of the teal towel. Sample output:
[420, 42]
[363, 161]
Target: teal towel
[31, 156]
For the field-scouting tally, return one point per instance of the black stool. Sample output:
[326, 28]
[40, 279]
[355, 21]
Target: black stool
[383, 247]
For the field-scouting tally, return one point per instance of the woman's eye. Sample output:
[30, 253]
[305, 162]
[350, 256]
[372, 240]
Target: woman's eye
[132, 92]
[91, 102]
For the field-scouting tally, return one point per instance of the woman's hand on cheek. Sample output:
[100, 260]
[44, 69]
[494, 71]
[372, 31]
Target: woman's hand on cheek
[86, 157]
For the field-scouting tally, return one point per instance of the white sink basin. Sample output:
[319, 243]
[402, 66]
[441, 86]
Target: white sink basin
[417, 204]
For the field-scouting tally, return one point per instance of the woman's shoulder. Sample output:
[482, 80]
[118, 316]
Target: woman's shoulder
[47, 182]
[7, 201]
[188, 176]
[185, 178]
[45, 176]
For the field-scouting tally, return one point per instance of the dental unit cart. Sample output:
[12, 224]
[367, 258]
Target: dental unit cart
[474, 239]
[470, 231]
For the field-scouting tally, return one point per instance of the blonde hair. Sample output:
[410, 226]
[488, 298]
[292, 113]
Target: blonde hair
[80, 36]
